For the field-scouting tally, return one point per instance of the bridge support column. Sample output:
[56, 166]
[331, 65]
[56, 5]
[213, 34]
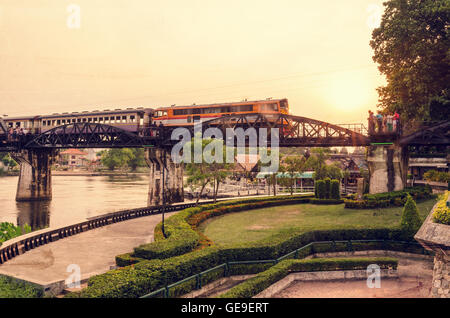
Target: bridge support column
[388, 168]
[157, 159]
[35, 178]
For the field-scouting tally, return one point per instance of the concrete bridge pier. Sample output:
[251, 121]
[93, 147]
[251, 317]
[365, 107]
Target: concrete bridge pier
[174, 192]
[35, 178]
[388, 167]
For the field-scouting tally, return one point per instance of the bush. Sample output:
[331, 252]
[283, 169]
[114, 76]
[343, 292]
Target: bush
[12, 288]
[441, 213]
[181, 229]
[410, 222]
[150, 275]
[325, 201]
[335, 192]
[327, 188]
[321, 189]
[395, 198]
[260, 282]
[437, 176]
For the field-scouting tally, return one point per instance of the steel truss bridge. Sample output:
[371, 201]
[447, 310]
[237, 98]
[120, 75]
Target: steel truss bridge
[293, 131]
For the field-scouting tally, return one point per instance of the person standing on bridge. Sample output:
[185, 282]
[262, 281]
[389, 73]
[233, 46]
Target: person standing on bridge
[379, 121]
[371, 120]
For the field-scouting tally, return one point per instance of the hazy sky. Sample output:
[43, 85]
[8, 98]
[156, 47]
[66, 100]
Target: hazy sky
[150, 53]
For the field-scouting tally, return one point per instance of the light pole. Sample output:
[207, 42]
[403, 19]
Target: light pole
[163, 192]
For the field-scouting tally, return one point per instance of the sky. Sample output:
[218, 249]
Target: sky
[64, 56]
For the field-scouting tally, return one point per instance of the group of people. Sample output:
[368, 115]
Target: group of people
[388, 124]
[17, 134]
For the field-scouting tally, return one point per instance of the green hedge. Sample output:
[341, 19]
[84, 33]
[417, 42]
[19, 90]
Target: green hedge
[182, 238]
[394, 198]
[150, 275]
[335, 192]
[12, 288]
[325, 201]
[321, 189]
[260, 282]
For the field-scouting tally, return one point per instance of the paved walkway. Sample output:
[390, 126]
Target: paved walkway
[93, 251]
[414, 281]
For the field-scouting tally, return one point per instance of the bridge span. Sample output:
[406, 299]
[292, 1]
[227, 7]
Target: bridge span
[387, 153]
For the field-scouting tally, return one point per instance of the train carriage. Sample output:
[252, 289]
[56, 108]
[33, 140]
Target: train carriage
[189, 115]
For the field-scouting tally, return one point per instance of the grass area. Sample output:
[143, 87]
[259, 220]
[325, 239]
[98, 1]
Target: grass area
[259, 224]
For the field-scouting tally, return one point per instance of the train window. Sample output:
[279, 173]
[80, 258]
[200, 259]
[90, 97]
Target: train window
[89, 120]
[74, 120]
[100, 119]
[284, 104]
[272, 107]
[124, 119]
[63, 121]
[49, 123]
[78, 120]
[95, 119]
[189, 119]
[58, 122]
[245, 108]
[132, 118]
[196, 118]
[112, 120]
[117, 119]
[44, 123]
[84, 120]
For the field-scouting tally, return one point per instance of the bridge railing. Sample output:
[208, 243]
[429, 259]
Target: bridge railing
[358, 128]
[21, 246]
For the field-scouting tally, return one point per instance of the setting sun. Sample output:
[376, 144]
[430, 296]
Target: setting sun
[348, 92]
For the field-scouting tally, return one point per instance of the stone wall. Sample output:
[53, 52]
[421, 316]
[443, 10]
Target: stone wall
[388, 167]
[441, 277]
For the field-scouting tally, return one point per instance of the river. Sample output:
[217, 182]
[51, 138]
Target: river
[75, 198]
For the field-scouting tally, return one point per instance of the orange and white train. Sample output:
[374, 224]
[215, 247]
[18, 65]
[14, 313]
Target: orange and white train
[189, 115]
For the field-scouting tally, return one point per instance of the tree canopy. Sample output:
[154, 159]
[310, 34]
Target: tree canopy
[411, 46]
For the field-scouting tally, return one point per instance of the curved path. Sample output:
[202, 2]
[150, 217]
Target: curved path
[93, 251]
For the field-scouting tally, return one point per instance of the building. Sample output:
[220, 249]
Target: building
[73, 158]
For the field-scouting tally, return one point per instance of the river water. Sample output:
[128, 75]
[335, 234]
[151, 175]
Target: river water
[75, 198]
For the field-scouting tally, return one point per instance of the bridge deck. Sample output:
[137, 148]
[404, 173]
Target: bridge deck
[93, 251]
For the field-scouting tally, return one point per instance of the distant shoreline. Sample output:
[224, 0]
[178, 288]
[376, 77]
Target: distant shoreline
[85, 173]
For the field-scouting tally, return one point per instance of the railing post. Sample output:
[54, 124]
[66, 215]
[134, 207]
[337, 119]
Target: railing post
[199, 281]
[334, 246]
[227, 269]
[166, 292]
[349, 246]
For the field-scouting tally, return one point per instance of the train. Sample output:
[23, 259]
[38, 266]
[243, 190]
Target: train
[138, 119]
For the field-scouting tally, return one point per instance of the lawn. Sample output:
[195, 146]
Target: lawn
[259, 224]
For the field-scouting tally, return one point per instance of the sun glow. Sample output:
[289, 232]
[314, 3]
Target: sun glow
[349, 92]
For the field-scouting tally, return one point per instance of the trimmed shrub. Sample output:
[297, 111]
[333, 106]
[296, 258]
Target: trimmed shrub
[150, 275]
[395, 198]
[441, 213]
[327, 188]
[335, 192]
[410, 222]
[325, 201]
[12, 288]
[260, 282]
[127, 259]
[181, 229]
[321, 189]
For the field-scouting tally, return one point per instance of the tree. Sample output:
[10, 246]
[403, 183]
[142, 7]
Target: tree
[115, 158]
[203, 173]
[136, 158]
[411, 48]
[316, 161]
[291, 166]
[410, 222]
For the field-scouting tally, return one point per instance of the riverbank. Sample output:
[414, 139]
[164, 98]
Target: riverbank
[83, 173]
